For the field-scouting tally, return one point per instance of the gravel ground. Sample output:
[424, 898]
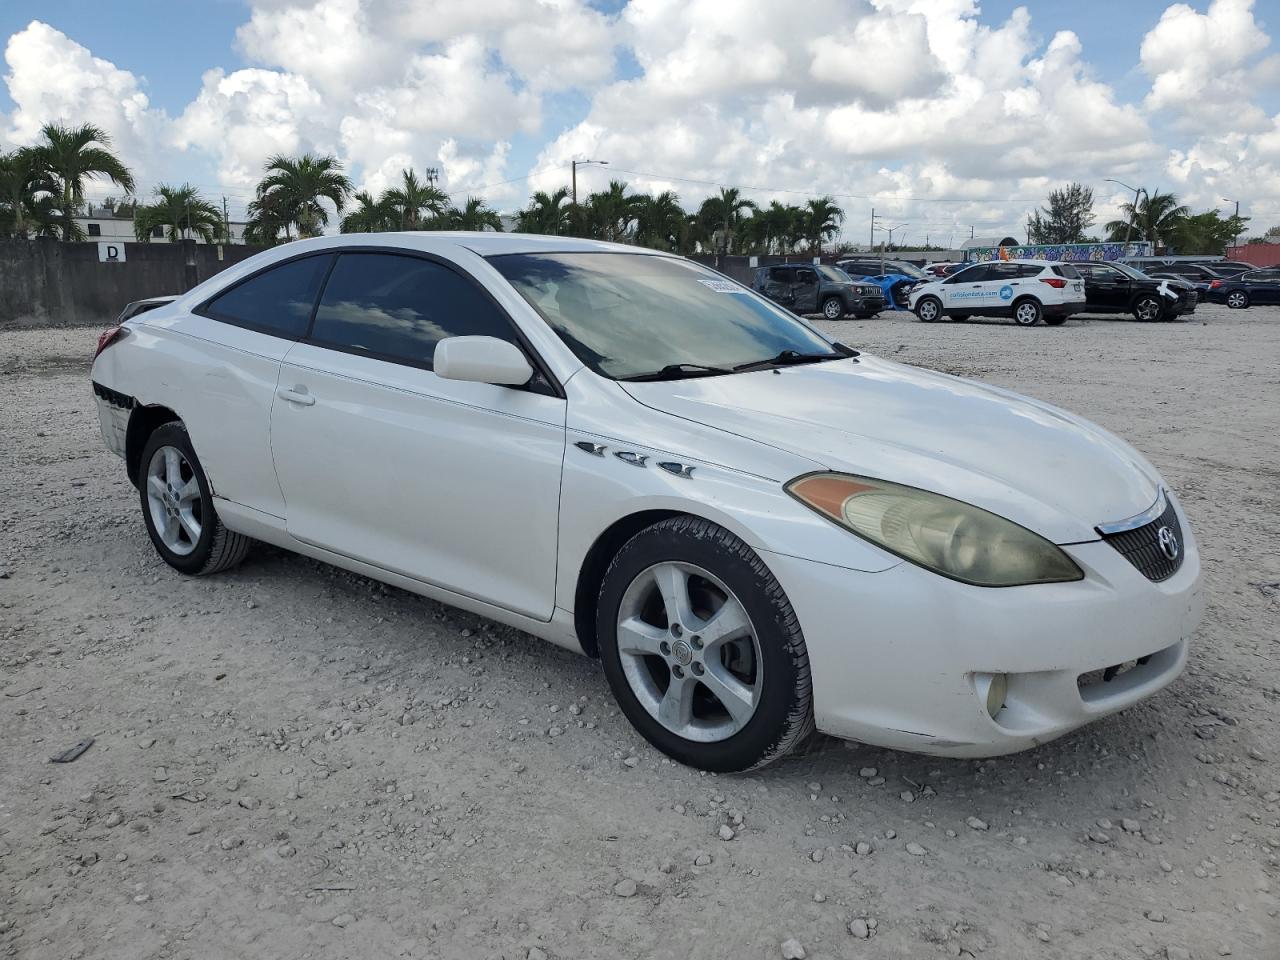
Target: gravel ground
[291, 761]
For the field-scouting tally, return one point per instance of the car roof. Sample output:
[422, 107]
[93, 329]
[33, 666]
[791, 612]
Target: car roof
[485, 243]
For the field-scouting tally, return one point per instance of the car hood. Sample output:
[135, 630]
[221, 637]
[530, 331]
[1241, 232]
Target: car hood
[1033, 463]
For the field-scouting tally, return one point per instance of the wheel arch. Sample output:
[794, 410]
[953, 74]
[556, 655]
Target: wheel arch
[143, 422]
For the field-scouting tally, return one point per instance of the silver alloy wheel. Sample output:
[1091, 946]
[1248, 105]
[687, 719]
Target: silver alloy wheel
[689, 652]
[1148, 308]
[928, 311]
[832, 309]
[173, 497]
[1027, 313]
[1236, 300]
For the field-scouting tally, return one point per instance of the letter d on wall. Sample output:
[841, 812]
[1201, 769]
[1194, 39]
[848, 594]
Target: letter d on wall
[111, 251]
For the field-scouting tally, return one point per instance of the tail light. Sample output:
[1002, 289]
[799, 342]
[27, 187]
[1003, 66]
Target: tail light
[108, 337]
[1056, 282]
[1214, 284]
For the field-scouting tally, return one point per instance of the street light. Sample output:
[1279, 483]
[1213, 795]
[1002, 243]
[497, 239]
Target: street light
[1128, 229]
[1236, 237]
[574, 165]
[896, 226]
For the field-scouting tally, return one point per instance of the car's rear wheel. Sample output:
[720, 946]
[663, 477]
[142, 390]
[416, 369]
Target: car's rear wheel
[833, 308]
[929, 309]
[1028, 312]
[702, 649]
[1237, 300]
[1054, 321]
[961, 317]
[177, 507]
[1148, 308]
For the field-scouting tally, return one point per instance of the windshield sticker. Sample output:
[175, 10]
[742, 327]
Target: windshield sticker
[723, 286]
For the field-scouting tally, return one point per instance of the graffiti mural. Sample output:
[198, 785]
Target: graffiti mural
[1070, 252]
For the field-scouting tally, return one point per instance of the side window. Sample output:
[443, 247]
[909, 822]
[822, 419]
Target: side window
[779, 275]
[398, 308]
[277, 301]
[1005, 271]
[806, 276]
[969, 274]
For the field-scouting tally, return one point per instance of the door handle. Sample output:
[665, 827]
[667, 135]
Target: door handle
[298, 395]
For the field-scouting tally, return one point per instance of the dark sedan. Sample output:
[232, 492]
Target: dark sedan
[1119, 288]
[1255, 287]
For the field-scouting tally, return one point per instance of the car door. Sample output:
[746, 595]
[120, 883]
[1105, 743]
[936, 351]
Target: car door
[1263, 286]
[777, 285]
[1107, 287]
[232, 345]
[804, 290]
[453, 483]
[964, 290]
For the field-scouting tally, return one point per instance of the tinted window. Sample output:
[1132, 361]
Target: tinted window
[625, 314]
[399, 308]
[969, 274]
[780, 275]
[1004, 271]
[806, 276]
[277, 301]
[1071, 273]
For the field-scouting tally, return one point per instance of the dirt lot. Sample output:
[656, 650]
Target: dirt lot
[293, 762]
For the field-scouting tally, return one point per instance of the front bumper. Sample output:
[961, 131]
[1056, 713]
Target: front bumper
[894, 655]
[865, 305]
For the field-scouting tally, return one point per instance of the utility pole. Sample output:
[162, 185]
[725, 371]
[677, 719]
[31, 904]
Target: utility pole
[871, 244]
[1236, 238]
[226, 222]
[1128, 227]
[573, 166]
[432, 175]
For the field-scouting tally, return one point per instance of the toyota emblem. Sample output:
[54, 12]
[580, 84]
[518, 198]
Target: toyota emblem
[1168, 543]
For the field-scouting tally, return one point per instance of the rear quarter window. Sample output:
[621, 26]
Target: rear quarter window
[1066, 270]
[278, 301]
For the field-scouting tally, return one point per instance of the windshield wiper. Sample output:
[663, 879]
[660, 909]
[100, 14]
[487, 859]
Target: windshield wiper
[679, 371]
[789, 358]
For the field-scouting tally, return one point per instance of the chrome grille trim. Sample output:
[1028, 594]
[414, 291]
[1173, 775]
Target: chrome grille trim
[1153, 512]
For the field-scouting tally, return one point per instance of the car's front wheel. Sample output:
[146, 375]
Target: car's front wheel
[833, 308]
[1027, 313]
[1148, 309]
[929, 309]
[1237, 300]
[702, 649]
[177, 507]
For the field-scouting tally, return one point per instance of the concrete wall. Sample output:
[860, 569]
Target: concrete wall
[48, 283]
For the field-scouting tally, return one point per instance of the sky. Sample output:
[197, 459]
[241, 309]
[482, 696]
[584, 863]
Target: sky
[944, 116]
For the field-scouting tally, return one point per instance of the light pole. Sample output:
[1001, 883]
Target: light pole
[1236, 237]
[1128, 229]
[574, 165]
[896, 226]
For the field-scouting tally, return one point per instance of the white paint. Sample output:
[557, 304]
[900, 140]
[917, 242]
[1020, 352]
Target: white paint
[111, 251]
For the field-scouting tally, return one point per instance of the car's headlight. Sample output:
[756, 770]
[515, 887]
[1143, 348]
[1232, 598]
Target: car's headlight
[955, 539]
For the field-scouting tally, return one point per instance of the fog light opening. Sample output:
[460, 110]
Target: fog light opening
[991, 688]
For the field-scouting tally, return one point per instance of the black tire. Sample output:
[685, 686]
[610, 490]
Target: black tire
[929, 309]
[833, 308]
[1027, 312]
[1148, 308]
[1055, 321]
[961, 317]
[217, 548]
[1237, 300]
[783, 716]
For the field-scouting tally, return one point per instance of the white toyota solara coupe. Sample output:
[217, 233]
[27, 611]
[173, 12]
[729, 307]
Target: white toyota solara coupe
[755, 528]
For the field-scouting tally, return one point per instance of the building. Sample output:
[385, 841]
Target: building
[103, 223]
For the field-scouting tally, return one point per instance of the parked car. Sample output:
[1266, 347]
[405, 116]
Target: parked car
[894, 277]
[1195, 272]
[817, 288]
[1118, 288]
[1026, 290]
[938, 270]
[1229, 268]
[1257, 287]
[757, 529]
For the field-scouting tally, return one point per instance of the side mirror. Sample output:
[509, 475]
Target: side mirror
[481, 360]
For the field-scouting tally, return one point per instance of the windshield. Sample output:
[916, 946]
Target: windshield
[1128, 271]
[831, 273]
[626, 314]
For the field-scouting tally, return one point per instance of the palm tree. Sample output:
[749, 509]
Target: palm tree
[28, 202]
[182, 211]
[822, 219]
[474, 215]
[609, 214]
[721, 215]
[413, 198]
[265, 222]
[1156, 218]
[547, 213]
[73, 155]
[660, 221]
[294, 187]
[371, 215]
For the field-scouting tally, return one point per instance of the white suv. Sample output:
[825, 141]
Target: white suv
[1026, 290]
